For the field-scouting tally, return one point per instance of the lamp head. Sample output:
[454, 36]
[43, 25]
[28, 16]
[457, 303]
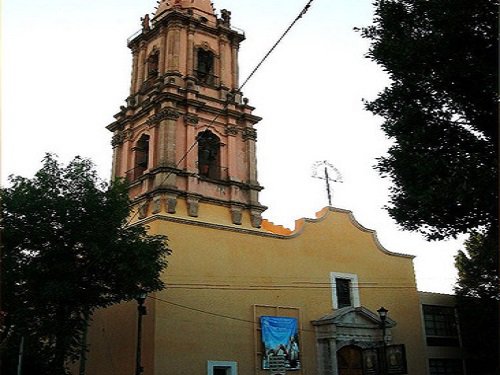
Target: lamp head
[141, 297]
[382, 313]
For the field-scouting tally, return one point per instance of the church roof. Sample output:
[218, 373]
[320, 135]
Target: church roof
[201, 5]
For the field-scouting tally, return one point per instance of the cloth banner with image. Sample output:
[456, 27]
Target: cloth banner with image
[280, 337]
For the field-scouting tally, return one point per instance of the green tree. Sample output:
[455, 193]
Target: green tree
[440, 110]
[68, 251]
[478, 294]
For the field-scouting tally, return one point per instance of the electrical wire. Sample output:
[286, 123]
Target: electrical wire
[301, 14]
[216, 314]
[281, 287]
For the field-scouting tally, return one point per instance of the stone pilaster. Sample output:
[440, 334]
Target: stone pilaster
[235, 65]
[141, 68]
[135, 64]
[190, 53]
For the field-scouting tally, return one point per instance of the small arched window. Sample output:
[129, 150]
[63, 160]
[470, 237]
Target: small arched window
[141, 155]
[205, 66]
[209, 155]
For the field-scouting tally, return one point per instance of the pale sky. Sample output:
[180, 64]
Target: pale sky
[66, 71]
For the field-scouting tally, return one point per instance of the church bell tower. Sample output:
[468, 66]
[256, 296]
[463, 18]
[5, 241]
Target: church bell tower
[185, 140]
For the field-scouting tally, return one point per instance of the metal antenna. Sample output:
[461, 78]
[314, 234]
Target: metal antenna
[320, 170]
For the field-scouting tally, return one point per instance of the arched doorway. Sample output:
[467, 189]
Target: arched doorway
[350, 360]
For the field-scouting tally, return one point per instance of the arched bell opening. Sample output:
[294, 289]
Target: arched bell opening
[209, 155]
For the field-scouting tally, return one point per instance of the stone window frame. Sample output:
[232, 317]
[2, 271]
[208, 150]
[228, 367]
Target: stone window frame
[354, 284]
[228, 365]
[211, 78]
[140, 155]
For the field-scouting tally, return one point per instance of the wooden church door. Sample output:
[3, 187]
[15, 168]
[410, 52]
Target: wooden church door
[350, 360]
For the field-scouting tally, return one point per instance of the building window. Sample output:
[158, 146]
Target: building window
[445, 367]
[209, 155]
[343, 287]
[345, 291]
[440, 325]
[222, 368]
[141, 156]
[205, 66]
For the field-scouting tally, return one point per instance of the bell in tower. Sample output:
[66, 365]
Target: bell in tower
[185, 141]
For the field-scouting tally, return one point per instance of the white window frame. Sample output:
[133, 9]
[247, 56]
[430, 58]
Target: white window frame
[353, 279]
[231, 366]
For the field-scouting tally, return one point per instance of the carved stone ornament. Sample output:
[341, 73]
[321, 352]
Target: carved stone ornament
[191, 119]
[117, 138]
[171, 204]
[256, 218]
[131, 101]
[205, 46]
[193, 204]
[236, 215]
[143, 210]
[164, 114]
[226, 17]
[231, 130]
[156, 205]
[250, 133]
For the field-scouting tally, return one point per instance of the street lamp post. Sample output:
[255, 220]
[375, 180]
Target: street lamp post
[382, 313]
[141, 311]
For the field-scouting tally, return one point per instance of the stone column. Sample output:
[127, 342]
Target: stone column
[166, 50]
[250, 136]
[223, 42]
[333, 355]
[153, 140]
[116, 161]
[126, 158]
[141, 67]
[163, 52]
[174, 45]
[167, 119]
[165, 145]
[232, 152]
[190, 53]
[235, 66]
[133, 83]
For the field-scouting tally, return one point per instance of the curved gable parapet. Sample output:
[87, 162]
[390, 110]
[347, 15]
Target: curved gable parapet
[269, 229]
[373, 233]
[321, 215]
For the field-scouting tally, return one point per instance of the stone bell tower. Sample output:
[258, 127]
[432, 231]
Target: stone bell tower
[185, 141]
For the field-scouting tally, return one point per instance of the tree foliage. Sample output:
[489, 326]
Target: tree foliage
[440, 110]
[478, 293]
[67, 252]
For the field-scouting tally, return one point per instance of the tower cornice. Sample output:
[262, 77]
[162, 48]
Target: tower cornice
[176, 18]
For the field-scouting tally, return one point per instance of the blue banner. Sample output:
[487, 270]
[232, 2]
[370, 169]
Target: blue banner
[280, 336]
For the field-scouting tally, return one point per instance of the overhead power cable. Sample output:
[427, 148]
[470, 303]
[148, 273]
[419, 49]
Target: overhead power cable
[215, 314]
[257, 67]
[281, 287]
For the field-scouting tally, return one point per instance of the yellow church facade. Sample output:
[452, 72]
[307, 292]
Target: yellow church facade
[243, 296]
